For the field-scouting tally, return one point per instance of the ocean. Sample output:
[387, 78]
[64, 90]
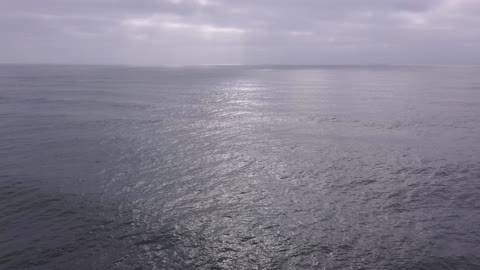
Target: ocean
[239, 167]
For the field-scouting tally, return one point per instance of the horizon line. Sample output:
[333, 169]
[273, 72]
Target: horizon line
[237, 65]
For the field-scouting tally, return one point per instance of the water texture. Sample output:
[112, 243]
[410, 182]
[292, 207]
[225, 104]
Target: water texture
[362, 167]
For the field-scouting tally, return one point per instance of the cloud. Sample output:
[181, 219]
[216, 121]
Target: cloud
[175, 23]
[177, 32]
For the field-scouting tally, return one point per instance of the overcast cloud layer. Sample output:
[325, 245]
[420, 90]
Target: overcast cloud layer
[186, 32]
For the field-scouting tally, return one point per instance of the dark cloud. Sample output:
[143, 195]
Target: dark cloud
[177, 32]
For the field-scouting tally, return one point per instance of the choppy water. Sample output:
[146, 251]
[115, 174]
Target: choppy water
[239, 168]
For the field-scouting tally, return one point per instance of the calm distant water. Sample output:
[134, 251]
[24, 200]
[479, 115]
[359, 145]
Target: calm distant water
[239, 168]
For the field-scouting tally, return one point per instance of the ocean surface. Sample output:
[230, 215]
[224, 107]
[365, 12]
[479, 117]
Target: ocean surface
[281, 167]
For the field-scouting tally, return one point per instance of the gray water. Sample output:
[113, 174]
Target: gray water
[239, 167]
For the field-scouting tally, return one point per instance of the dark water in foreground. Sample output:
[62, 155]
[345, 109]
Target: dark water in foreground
[239, 168]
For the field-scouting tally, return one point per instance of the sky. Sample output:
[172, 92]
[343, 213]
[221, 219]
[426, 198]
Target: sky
[253, 32]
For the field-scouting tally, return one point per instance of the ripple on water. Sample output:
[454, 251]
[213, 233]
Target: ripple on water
[239, 168]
